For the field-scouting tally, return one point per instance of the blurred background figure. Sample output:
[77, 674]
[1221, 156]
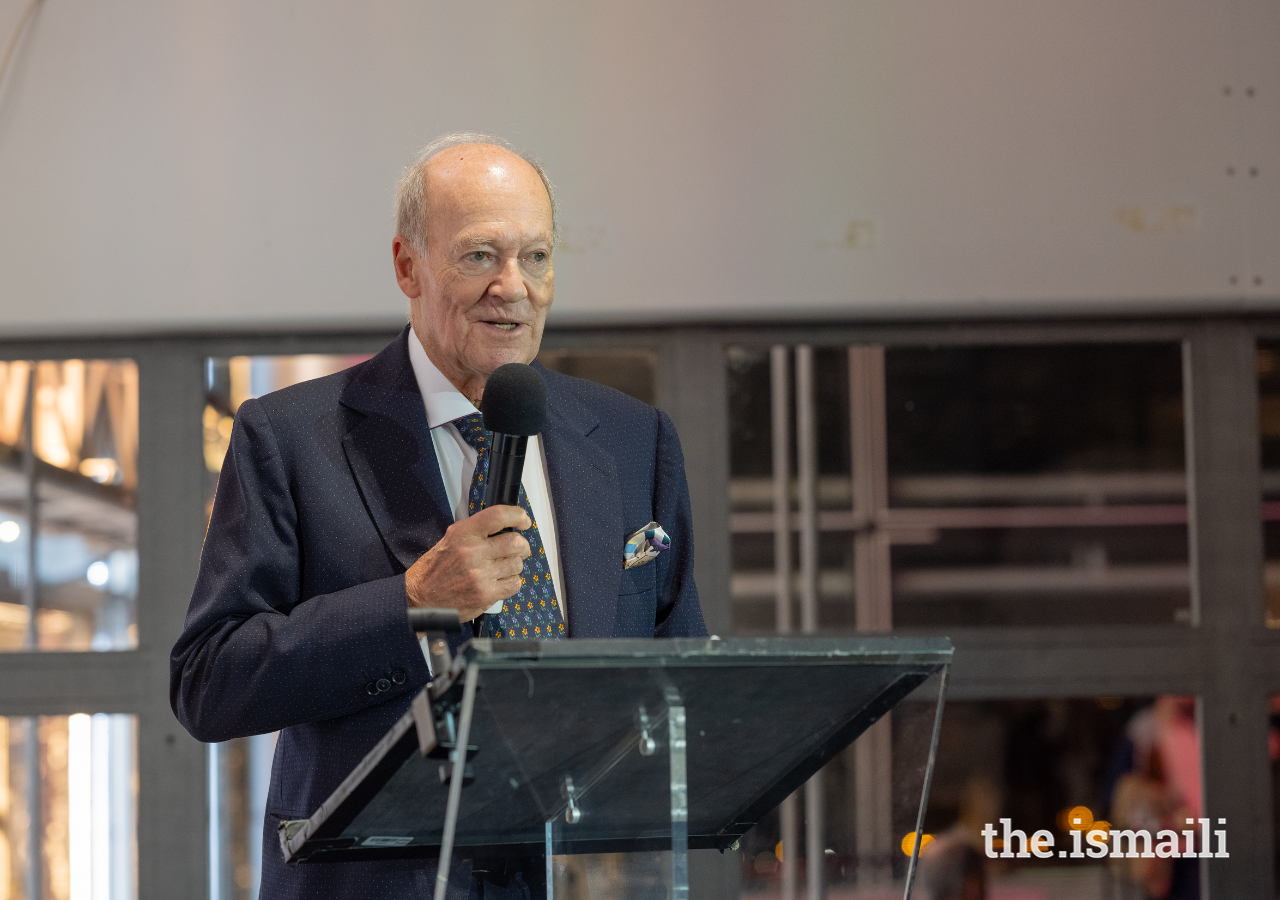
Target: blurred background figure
[951, 868]
[1157, 786]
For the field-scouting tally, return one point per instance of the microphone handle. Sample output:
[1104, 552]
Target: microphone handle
[506, 466]
[501, 488]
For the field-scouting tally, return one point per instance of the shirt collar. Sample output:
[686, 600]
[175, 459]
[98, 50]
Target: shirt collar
[443, 401]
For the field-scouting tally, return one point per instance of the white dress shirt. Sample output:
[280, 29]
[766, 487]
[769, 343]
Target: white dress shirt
[457, 458]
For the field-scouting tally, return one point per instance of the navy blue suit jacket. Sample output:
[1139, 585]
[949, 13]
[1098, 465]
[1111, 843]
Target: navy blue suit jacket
[329, 492]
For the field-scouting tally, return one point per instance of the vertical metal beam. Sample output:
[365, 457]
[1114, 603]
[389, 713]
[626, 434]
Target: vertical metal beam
[1221, 400]
[789, 825]
[873, 605]
[30, 473]
[873, 599]
[172, 797]
[781, 421]
[34, 876]
[692, 389]
[807, 478]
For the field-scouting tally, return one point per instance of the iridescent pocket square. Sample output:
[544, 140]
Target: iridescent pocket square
[645, 545]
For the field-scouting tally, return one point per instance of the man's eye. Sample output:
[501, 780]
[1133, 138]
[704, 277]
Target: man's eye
[477, 256]
[539, 256]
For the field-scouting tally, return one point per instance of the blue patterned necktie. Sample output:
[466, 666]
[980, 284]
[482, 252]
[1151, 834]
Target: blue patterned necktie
[532, 613]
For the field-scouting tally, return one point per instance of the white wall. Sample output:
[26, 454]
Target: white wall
[168, 164]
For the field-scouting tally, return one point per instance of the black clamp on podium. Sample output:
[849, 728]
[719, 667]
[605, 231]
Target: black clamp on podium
[611, 746]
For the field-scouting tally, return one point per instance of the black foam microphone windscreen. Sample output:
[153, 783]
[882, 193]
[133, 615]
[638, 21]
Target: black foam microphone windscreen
[514, 400]
[514, 406]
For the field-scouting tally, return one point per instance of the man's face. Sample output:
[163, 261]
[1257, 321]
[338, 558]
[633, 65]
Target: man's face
[480, 295]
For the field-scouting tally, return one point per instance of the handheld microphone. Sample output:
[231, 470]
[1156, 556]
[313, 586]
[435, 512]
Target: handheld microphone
[514, 406]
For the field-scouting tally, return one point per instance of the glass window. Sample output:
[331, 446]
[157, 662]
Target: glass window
[970, 486]
[1037, 485]
[752, 584]
[73, 781]
[1269, 433]
[1273, 749]
[229, 381]
[68, 480]
[629, 371]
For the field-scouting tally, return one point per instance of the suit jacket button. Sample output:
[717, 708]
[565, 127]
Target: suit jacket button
[371, 688]
[383, 685]
[397, 677]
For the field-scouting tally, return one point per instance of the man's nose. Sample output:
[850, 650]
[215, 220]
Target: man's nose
[509, 286]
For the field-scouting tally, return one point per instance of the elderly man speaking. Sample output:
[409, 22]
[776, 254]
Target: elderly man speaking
[344, 501]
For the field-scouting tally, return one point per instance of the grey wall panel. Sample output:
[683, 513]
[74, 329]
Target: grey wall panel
[178, 165]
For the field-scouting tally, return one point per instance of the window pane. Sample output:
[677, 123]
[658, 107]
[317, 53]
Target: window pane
[229, 381]
[752, 582]
[999, 485]
[74, 781]
[1269, 432]
[68, 462]
[629, 371]
[1047, 485]
[1273, 749]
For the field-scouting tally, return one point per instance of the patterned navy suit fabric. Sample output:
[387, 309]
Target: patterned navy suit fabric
[532, 613]
[330, 490]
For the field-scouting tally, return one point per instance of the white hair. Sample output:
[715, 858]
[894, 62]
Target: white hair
[411, 190]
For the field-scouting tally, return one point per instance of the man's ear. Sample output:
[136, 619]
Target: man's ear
[405, 259]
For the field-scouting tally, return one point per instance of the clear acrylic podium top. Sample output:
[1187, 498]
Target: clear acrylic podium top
[611, 746]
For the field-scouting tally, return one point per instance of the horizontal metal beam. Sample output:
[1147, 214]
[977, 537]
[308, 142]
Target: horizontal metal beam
[56, 684]
[821, 331]
[1090, 662]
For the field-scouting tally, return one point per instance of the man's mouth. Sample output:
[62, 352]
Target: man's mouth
[505, 326]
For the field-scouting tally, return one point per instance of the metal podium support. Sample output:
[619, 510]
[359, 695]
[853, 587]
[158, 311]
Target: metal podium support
[640, 749]
[647, 740]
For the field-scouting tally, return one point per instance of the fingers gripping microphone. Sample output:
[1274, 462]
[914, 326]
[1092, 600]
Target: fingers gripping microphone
[514, 406]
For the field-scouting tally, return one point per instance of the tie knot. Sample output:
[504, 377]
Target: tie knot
[472, 430]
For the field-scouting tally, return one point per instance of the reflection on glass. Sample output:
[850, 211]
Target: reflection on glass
[68, 477]
[72, 780]
[1062, 766]
[867, 807]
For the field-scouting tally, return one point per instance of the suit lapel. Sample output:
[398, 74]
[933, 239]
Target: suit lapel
[586, 495]
[392, 457]
[393, 461]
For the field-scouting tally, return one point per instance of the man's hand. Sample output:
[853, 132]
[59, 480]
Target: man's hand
[472, 567]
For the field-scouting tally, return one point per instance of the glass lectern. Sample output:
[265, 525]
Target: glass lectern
[639, 749]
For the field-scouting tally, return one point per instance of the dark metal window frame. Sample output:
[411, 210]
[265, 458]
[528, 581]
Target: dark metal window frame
[1228, 658]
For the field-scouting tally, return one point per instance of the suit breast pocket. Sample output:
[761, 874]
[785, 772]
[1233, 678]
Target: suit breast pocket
[638, 580]
[637, 602]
